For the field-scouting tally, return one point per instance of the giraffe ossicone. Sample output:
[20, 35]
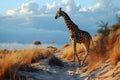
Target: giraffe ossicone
[76, 35]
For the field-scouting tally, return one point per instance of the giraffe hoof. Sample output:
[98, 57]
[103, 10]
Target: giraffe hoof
[84, 70]
[79, 65]
[73, 65]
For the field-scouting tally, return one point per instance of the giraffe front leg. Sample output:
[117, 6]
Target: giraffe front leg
[74, 52]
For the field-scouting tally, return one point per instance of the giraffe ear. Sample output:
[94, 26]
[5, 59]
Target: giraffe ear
[59, 9]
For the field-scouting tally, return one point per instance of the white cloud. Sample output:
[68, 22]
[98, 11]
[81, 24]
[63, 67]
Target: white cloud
[96, 6]
[32, 8]
[68, 2]
[29, 8]
[11, 12]
[51, 8]
[53, 5]
[70, 6]
[84, 10]
[102, 10]
[100, 5]
[118, 13]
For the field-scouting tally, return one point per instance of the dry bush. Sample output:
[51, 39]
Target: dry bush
[114, 38]
[105, 48]
[52, 60]
[42, 53]
[116, 51]
[13, 60]
[98, 53]
[4, 52]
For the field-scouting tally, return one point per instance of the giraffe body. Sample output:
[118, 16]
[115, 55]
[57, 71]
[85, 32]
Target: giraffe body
[76, 35]
[80, 36]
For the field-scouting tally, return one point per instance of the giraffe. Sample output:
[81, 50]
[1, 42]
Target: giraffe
[76, 35]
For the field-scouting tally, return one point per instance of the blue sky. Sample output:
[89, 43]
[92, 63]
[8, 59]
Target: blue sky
[24, 21]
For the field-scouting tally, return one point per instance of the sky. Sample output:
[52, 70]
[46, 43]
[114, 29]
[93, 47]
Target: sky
[11, 4]
[25, 21]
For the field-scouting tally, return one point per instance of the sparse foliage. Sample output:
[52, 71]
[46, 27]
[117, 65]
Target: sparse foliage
[104, 28]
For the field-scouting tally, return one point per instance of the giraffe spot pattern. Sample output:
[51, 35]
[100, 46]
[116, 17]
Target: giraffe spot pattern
[79, 36]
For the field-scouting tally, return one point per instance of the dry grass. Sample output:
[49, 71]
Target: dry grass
[115, 42]
[98, 53]
[68, 52]
[106, 48]
[13, 60]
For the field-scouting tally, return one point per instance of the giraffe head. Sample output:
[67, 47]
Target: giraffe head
[59, 13]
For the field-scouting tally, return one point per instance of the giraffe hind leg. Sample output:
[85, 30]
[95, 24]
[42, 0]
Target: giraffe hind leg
[78, 60]
[86, 46]
[76, 55]
[84, 60]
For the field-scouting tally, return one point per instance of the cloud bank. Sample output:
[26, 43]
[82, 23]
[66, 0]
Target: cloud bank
[31, 22]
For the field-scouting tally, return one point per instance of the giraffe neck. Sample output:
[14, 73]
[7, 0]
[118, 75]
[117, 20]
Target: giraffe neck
[72, 27]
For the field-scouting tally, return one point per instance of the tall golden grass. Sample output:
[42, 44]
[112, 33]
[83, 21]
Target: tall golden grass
[68, 52]
[107, 48]
[97, 55]
[114, 38]
[13, 60]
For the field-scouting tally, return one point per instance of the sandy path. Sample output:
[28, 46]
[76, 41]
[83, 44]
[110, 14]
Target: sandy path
[47, 72]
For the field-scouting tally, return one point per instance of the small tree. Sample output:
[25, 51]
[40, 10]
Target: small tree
[104, 28]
